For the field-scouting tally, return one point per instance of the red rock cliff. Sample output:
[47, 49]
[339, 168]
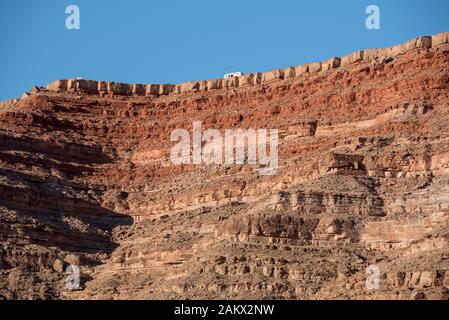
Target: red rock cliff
[85, 179]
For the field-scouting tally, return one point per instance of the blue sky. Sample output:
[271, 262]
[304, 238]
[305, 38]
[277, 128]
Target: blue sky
[146, 41]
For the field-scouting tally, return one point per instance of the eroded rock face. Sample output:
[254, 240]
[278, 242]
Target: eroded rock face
[363, 179]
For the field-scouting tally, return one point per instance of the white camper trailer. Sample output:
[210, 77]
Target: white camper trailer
[232, 75]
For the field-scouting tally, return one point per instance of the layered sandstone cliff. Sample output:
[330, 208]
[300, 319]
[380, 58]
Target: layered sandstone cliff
[86, 179]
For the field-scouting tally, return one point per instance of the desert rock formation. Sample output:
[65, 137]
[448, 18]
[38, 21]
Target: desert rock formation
[363, 180]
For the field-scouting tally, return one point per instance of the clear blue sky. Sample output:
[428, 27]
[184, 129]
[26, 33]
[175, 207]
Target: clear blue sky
[145, 41]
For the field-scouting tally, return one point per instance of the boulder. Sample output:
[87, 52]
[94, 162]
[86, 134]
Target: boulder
[356, 56]
[258, 77]
[72, 259]
[87, 86]
[420, 42]
[152, 89]
[203, 86]
[315, 67]
[332, 63]
[377, 54]
[424, 42]
[446, 280]
[246, 79]
[110, 87]
[215, 84]
[138, 89]
[299, 70]
[369, 54]
[226, 83]
[58, 86]
[186, 87]
[385, 53]
[178, 88]
[289, 72]
[119, 88]
[58, 265]
[165, 89]
[102, 86]
[71, 85]
[272, 75]
[427, 279]
[35, 89]
[196, 86]
[440, 38]
[231, 82]
[401, 48]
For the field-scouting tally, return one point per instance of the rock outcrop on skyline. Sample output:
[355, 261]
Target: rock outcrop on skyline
[114, 88]
[363, 181]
